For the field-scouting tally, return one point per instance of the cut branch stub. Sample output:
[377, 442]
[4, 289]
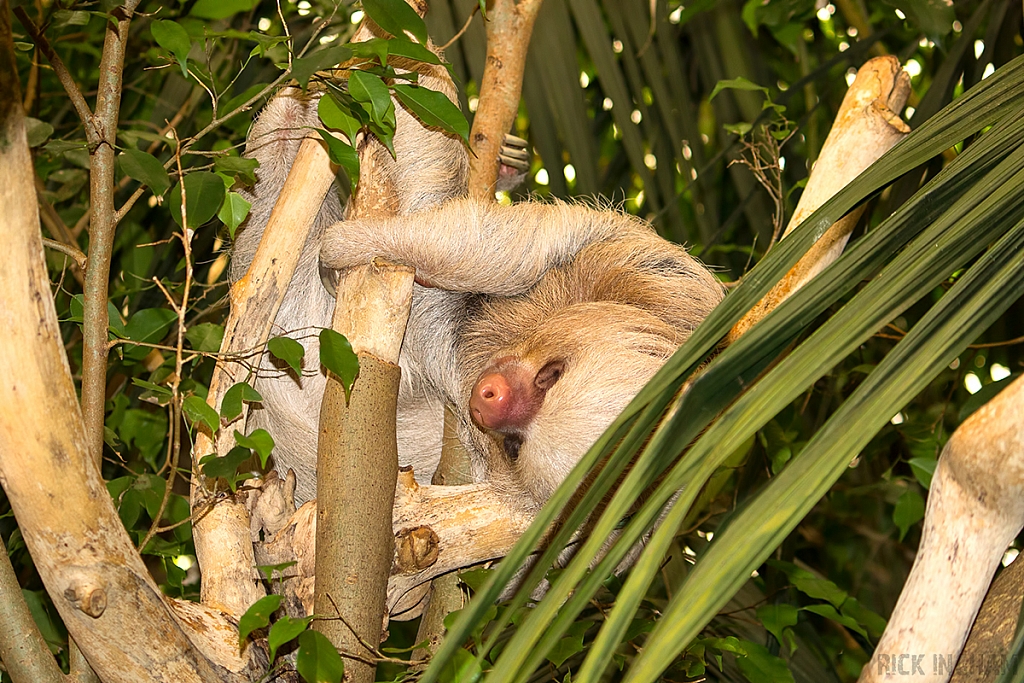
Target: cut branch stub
[867, 126]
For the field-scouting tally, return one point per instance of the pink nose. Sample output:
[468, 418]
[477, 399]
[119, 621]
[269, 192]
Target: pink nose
[491, 401]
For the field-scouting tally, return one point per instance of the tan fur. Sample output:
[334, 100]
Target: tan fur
[593, 288]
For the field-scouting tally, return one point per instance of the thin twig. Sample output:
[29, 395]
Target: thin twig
[465, 27]
[67, 249]
[174, 448]
[66, 80]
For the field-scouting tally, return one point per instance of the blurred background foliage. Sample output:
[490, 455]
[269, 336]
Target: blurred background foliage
[617, 104]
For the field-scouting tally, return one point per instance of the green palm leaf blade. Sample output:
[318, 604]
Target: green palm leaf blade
[979, 108]
[974, 302]
[915, 275]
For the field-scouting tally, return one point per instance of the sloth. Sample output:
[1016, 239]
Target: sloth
[535, 323]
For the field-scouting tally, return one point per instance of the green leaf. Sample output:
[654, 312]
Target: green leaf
[226, 467]
[810, 585]
[233, 211]
[433, 109]
[777, 618]
[924, 470]
[145, 168]
[220, 9]
[148, 326]
[337, 117]
[375, 48]
[369, 89]
[231, 404]
[461, 667]
[37, 131]
[205, 337]
[241, 167]
[171, 36]
[873, 622]
[304, 67]
[342, 154]
[204, 192]
[336, 355]
[830, 613]
[565, 648]
[268, 569]
[285, 630]
[909, 511]
[259, 441]
[257, 616]
[198, 410]
[317, 660]
[396, 17]
[399, 47]
[288, 350]
[162, 392]
[738, 83]
[761, 666]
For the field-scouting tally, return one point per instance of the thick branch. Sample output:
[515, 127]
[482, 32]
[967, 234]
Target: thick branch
[975, 508]
[438, 529]
[223, 545]
[509, 27]
[82, 552]
[867, 126]
[357, 464]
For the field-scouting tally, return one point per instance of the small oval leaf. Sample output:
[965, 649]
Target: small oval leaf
[288, 350]
[145, 168]
[317, 660]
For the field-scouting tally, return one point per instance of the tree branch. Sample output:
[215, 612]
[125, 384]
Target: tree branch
[22, 648]
[509, 27]
[79, 545]
[62, 73]
[867, 126]
[101, 230]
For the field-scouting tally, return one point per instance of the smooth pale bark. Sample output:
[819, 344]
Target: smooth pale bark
[357, 465]
[867, 126]
[509, 27]
[99, 584]
[221, 531]
[975, 508]
[444, 595]
[23, 651]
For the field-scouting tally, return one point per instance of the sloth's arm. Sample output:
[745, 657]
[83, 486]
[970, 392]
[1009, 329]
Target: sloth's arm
[466, 245]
